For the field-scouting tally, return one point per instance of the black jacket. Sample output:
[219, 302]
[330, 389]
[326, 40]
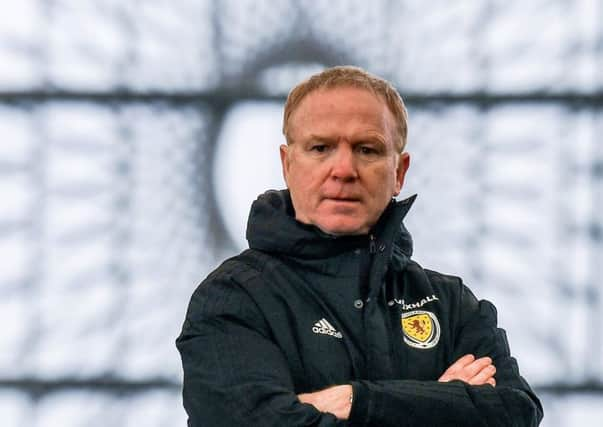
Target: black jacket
[302, 310]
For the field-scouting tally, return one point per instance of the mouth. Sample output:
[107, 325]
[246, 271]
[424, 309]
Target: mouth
[343, 199]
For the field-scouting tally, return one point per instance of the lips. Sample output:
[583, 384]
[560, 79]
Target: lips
[343, 199]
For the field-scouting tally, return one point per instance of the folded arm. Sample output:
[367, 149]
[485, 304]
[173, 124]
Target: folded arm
[487, 391]
[234, 375]
[338, 400]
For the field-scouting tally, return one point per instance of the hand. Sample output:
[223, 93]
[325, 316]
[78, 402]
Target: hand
[471, 370]
[335, 400]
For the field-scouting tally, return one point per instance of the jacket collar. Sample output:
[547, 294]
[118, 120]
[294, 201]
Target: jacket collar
[272, 227]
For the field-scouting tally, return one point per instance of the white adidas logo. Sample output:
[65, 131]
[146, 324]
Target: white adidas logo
[324, 327]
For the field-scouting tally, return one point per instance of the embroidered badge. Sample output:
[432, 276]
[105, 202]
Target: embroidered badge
[421, 329]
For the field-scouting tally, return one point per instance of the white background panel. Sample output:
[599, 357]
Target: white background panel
[115, 205]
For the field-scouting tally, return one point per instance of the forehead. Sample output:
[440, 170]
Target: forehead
[342, 109]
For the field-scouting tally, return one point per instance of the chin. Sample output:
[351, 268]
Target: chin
[339, 229]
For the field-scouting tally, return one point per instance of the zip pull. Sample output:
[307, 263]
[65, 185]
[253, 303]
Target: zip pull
[372, 244]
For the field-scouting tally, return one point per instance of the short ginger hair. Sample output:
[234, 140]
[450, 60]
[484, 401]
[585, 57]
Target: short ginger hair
[349, 76]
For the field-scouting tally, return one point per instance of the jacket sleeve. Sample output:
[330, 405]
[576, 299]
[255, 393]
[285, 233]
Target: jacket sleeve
[431, 403]
[234, 375]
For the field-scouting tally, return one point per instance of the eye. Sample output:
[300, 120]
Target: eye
[319, 148]
[367, 150]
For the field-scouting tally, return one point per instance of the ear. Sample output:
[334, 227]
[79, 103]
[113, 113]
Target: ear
[403, 164]
[283, 150]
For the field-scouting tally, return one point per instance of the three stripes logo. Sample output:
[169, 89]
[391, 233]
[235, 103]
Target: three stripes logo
[324, 327]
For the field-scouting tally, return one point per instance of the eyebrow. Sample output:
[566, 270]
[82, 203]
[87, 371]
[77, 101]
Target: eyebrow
[320, 138]
[364, 137]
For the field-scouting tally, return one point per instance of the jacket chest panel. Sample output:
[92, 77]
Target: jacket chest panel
[423, 339]
[314, 345]
[325, 355]
[308, 331]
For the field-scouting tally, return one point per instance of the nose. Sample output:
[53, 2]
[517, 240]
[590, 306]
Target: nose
[344, 164]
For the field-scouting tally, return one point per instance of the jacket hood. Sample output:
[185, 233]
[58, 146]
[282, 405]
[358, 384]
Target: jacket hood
[272, 227]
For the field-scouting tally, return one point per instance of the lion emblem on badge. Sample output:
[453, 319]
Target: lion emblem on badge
[421, 329]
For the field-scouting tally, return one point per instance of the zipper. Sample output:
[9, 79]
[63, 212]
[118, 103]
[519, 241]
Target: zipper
[372, 244]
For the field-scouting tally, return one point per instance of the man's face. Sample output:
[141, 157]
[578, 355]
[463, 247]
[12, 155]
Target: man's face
[342, 168]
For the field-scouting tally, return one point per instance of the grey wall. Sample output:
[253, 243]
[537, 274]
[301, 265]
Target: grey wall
[134, 135]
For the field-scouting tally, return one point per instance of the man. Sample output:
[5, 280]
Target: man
[325, 320]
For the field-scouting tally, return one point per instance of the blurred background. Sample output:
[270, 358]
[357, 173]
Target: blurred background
[135, 134]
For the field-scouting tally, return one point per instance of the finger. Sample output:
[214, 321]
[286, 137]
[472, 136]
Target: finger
[475, 368]
[492, 382]
[483, 376]
[462, 362]
[466, 372]
[456, 367]
[304, 397]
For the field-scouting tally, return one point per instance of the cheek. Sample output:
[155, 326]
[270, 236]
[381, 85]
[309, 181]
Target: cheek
[304, 184]
[306, 176]
[384, 184]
